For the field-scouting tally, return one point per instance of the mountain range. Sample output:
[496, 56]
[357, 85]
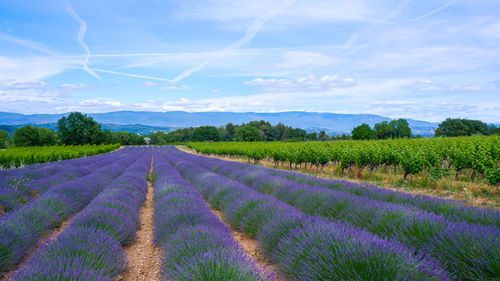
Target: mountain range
[144, 122]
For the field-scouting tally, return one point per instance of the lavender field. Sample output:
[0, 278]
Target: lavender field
[80, 219]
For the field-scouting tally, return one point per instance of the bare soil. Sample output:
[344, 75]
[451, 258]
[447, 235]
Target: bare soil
[143, 256]
[251, 248]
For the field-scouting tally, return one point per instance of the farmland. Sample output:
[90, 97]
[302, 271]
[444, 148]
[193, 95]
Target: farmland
[21, 156]
[465, 168]
[187, 215]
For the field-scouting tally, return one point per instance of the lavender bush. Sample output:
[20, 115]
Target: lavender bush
[277, 227]
[197, 245]
[21, 229]
[450, 209]
[90, 247]
[418, 229]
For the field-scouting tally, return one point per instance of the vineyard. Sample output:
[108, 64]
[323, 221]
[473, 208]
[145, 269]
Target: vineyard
[79, 219]
[478, 156]
[22, 156]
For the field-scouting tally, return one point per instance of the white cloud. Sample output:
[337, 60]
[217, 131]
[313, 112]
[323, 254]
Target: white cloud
[309, 83]
[100, 101]
[9, 85]
[491, 30]
[74, 86]
[149, 84]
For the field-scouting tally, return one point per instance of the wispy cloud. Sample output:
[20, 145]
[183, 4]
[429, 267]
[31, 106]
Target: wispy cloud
[149, 84]
[28, 44]
[79, 38]
[435, 10]
[9, 85]
[309, 83]
[74, 86]
[251, 32]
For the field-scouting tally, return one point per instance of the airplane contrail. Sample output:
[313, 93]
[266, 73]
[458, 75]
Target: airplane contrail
[250, 33]
[131, 75]
[435, 10]
[81, 34]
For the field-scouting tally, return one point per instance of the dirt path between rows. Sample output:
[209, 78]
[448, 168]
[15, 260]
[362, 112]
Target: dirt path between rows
[251, 247]
[44, 240]
[143, 256]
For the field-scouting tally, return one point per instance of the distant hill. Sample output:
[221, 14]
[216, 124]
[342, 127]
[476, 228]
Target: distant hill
[333, 123]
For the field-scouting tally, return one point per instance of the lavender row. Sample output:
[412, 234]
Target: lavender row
[41, 170]
[197, 245]
[21, 229]
[469, 251]
[90, 247]
[305, 247]
[22, 191]
[451, 209]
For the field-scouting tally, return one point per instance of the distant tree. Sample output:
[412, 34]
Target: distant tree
[26, 136]
[363, 132]
[493, 130]
[282, 131]
[46, 136]
[4, 139]
[108, 137]
[147, 140]
[230, 130]
[312, 136]
[78, 129]
[248, 133]
[323, 136]
[383, 130]
[206, 133]
[297, 134]
[461, 127]
[160, 138]
[400, 128]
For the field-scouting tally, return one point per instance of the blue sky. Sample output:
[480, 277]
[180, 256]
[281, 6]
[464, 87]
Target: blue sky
[418, 59]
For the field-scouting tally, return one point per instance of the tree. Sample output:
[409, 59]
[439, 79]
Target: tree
[34, 136]
[206, 133]
[312, 136]
[46, 137]
[248, 133]
[26, 136]
[4, 139]
[461, 127]
[323, 136]
[78, 129]
[230, 130]
[400, 128]
[297, 134]
[383, 130]
[282, 131]
[492, 130]
[363, 132]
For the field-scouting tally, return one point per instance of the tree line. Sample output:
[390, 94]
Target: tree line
[251, 131]
[399, 128]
